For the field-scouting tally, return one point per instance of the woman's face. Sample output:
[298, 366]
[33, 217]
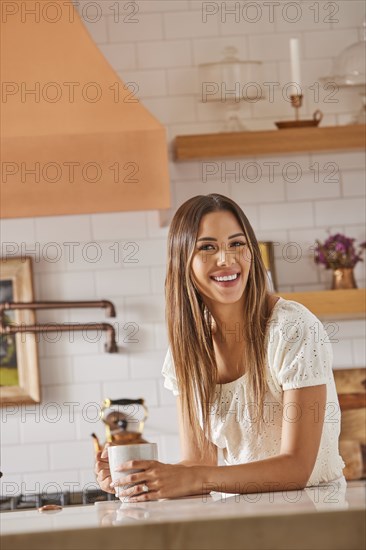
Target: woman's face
[222, 259]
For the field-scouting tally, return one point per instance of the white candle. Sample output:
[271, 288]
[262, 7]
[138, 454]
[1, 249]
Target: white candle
[295, 63]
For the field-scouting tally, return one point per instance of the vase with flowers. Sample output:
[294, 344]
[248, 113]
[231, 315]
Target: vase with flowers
[339, 253]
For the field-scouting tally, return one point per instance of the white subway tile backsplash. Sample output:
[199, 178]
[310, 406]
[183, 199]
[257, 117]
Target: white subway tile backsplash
[157, 55]
[349, 328]
[327, 186]
[71, 455]
[211, 50]
[161, 336]
[135, 308]
[163, 419]
[359, 351]
[54, 482]
[353, 183]
[350, 160]
[15, 234]
[118, 225]
[122, 282]
[162, 6]
[51, 427]
[342, 354]
[296, 267]
[300, 16]
[94, 368]
[184, 190]
[170, 449]
[67, 286]
[147, 366]
[63, 229]
[244, 18]
[189, 24]
[347, 14]
[73, 397]
[135, 337]
[183, 82]
[10, 428]
[13, 485]
[259, 192]
[157, 278]
[271, 47]
[344, 211]
[55, 370]
[27, 458]
[135, 27]
[143, 253]
[286, 215]
[173, 109]
[320, 44]
[68, 343]
[166, 397]
[154, 227]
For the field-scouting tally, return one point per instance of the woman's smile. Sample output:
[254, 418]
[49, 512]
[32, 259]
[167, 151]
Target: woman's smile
[226, 279]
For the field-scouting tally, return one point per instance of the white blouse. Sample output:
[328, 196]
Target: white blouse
[299, 354]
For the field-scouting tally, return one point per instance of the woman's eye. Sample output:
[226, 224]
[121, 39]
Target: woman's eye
[237, 244]
[206, 247]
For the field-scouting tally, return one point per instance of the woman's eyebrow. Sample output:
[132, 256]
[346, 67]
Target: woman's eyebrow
[212, 239]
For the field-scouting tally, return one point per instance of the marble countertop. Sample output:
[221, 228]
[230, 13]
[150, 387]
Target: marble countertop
[321, 518]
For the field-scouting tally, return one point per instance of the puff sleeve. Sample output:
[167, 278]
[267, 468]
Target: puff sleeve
[168, 371]
[304, 355]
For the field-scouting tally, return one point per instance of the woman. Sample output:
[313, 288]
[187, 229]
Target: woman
[252, 372]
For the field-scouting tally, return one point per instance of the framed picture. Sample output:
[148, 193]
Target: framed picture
[19, 372]
[267, 251]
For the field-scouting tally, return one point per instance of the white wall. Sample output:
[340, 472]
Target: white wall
[160, 52]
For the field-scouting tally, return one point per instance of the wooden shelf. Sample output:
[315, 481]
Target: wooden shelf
[333, 304]
[294, 140]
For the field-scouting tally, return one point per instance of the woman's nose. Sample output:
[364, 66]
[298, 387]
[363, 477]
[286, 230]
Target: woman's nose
[225, 256]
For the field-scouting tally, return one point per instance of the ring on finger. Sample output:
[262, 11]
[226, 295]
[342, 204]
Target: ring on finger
[145, 488]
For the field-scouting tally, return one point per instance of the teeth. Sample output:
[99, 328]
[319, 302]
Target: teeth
[226, 278]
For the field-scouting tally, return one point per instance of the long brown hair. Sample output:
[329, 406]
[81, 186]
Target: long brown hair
[189, 321]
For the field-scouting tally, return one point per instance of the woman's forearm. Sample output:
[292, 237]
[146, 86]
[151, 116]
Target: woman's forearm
[282, 472]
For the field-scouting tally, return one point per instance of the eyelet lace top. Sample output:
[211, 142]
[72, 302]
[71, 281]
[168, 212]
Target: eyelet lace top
[299, 354]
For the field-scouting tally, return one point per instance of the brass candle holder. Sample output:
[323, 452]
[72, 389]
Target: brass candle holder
[296, 102]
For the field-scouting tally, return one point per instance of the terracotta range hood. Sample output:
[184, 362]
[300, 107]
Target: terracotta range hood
[74, 139]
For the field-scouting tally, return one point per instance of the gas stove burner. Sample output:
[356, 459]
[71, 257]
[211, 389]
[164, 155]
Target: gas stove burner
[67, 498]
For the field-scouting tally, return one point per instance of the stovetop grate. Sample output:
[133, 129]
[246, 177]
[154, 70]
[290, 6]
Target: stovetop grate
[66, 498]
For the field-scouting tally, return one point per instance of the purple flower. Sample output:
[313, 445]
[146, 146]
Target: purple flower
[338, 251]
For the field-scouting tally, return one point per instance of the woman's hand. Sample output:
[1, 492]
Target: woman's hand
[102, 470]
[162, 480]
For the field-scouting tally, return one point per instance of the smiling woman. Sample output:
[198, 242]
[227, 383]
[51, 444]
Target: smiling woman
[252, 372]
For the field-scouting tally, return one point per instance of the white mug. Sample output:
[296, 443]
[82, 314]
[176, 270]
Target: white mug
[118, 454]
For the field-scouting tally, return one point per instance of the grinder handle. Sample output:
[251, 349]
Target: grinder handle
[124, 402]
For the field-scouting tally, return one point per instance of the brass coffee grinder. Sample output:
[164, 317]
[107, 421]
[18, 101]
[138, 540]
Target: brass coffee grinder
[123, 427]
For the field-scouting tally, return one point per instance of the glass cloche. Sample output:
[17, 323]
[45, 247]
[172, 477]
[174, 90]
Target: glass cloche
[349, 72]
[231, 81]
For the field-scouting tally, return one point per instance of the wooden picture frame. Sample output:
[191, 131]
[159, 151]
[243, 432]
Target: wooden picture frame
[19, 371]
[267, 251]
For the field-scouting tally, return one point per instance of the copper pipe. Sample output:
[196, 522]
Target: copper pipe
[106, 304]
[110, 346]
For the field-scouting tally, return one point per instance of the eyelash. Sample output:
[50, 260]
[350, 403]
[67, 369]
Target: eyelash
[204, 246]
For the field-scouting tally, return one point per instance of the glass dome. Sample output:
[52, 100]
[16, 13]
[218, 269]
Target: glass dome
[230, 82]
[349, 66]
